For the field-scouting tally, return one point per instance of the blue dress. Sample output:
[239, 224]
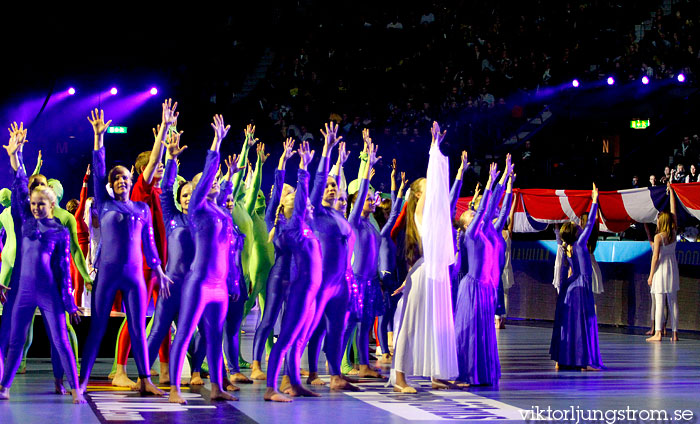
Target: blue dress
[575, 332]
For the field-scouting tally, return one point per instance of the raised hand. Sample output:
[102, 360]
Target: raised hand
[86, 178]
[393, 170]
[594, 194]
[231, 167]
[17, 138]
[373, 158]
[331, 136]
[343, 154]
[249, 133]
[172, 144]
[97, 120]
[305, 154]
[371, 174]
[169, 116]
[220, 129]
[493, 174]
[476, 190]
[436, 135]
[261, 153]
[464, 164]
[288, 152]
[403, 184]
[39, 160]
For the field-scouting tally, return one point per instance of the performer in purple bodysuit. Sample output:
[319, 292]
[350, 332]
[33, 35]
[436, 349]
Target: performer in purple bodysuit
[125, 227]
[208, 285]
[41, 274]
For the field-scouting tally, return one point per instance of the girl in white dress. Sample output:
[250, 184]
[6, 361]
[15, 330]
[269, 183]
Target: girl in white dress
[424, 337]
[663, 277]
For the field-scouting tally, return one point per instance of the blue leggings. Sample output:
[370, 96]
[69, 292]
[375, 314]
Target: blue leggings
[386, 321]
[207, 300]
[332, 306]
[165, 313]
[133, 288]
[22, 310]
[276, 293]
[232, 332]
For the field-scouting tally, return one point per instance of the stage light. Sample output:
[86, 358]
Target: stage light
[611, 80]
[113, 91]
[680, 78]
[575, 83]
[71, 91]
[154, 91]
[645, 80]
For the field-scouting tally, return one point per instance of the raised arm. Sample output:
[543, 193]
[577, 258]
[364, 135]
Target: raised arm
[168, 119]
[249, 141]
[498, 192]
[506, 208]
[83, 197]
[592, 215]
[354, 218]
[167, 198]
[672, 199]
[199, 194]
[302, 194]
[330, 140]
[99, 168]
[395, 207]
[485, 198]
[19, 198]
[457, 185]
[278, 186]
[39, 163]
[252, 193]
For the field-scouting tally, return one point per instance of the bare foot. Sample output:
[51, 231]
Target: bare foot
[674, 336]
[4, 393]
[340, 383]
[218, 394]
[175, 396]
[154, 372]
[315, 380]
[241, 378]
[651, 331]
[196, 379]
[121, 379]
[404, 389]
[385, 359]
[655, 338]
[164, 379]
[285, 384]
[22, 370]
[229, 386]
[297, 390]
[146, 387]
[303, 372]
[257, 372]
[275, 396]
[590, 368]
[441, 385]
[78, 397]
[366, 372]
[59, 388]
[460, 384]
[556, 365]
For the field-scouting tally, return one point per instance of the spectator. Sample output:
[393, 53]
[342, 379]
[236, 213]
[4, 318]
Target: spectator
[652, 180]
[667, 175]
[395, 24]
[679, 175]
[692, 177]
[427, 18]
[635, 182]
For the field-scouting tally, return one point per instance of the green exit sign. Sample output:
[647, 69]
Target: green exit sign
[116, 130]
[639, 124]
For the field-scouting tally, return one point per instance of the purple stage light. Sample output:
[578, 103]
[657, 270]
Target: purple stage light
[611, 80]
[645, 80]
[71, 91]
[154, 91]
[113, 91]
[575, 83]
[680, 78]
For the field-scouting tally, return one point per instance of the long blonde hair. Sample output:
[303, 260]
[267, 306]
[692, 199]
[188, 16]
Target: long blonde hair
[413, 248]
[666, 224]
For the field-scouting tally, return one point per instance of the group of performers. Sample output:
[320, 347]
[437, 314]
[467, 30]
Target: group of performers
[207, 249]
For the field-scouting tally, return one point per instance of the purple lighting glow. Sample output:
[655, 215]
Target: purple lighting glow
[113, 91]
[611, 80]
[681, 78]
[71, 91]
[154, 91]
[575, 83]
[645, 80]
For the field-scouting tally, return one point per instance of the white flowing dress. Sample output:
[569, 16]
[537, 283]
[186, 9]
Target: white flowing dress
[666, 278]
[424, 335]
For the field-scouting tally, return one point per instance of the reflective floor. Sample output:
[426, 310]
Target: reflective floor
[642, 382]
